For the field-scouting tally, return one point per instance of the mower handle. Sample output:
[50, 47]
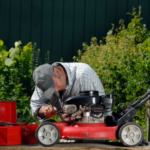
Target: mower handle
[139, 100]
[142, 103]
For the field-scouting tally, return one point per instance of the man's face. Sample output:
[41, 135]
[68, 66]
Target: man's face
[60, 83]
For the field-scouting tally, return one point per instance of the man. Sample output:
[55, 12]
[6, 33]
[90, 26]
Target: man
[57, 82]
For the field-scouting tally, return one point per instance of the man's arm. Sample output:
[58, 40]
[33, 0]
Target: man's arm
[47, 111]
[40, 109]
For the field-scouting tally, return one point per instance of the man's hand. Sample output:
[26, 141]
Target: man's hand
[47, 111]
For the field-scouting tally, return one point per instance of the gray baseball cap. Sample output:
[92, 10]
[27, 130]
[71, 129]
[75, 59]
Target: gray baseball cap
[42, 77]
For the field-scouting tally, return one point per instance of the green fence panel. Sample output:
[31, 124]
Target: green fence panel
[67, 41]
[132, 3]
[36, 21]
[111, 16]
[25, 29]
[89, 19]
[122, 9]
[15, 16]
[47, 28]
[145, 11]
[61, 26]
[79, 13]
[100, 22]
[57, 40]
[5, 21]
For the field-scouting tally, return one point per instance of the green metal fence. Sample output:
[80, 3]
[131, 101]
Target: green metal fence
[61, 26]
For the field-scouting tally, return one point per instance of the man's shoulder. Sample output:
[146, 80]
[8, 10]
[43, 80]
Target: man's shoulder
[77, 66]
[76, 69]
[73, 64]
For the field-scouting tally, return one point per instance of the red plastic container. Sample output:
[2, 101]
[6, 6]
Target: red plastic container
[8, 112]
[11, 132]
[17, 135]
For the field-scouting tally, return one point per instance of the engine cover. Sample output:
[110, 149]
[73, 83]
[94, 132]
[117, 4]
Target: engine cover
[83, 100]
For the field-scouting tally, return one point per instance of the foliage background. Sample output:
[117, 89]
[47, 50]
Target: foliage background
[122, 62]
[16, 83]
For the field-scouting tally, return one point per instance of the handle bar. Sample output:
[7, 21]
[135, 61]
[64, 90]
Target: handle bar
[139, 100]
[143, 102]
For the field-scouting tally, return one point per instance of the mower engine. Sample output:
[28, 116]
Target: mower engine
[88, 107]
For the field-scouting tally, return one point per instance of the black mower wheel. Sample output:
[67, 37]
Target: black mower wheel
[131, 134]
[47, 134]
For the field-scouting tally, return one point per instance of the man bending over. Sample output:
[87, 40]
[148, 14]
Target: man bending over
[57, 82]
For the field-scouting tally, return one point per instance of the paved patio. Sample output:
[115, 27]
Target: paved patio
[76, 146]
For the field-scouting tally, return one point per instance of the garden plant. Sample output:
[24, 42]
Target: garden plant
[122, 62]
[16, 83]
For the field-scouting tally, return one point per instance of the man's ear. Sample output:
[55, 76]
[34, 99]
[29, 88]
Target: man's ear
[56, 70]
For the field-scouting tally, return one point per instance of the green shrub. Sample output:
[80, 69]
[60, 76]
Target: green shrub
[16, 84]
[122, 63]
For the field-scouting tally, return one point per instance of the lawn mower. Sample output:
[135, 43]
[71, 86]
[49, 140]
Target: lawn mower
[83, 118]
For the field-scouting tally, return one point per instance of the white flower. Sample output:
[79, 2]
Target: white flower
[17, 43]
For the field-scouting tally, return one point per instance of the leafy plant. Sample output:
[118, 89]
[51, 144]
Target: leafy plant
[122, 62]
[16, 68]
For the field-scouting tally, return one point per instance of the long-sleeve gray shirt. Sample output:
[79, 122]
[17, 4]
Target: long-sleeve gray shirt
[81, 77]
